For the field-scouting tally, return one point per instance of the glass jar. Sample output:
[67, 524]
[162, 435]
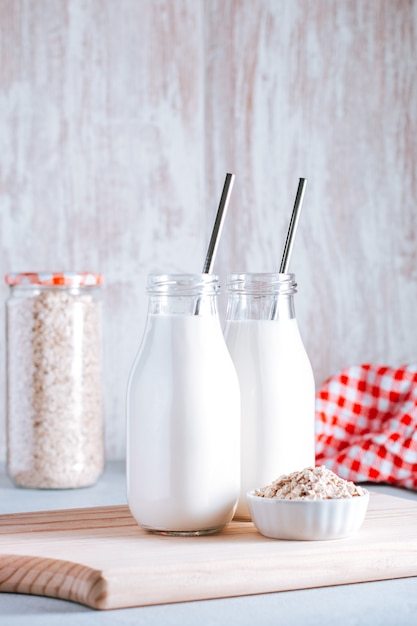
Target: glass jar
[54, 380]
[276, 380]
[183, 412]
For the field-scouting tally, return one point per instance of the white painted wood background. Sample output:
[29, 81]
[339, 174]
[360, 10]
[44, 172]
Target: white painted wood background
[120, 118]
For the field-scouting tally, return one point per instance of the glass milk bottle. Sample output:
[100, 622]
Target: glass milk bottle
[276, 380]
[183, 405]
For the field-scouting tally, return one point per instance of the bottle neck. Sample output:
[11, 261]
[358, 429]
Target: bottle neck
[183, 294]
[261, 296]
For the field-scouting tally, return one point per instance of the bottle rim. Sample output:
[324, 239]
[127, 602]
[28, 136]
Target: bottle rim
[262, 283]
[182, 284]
[53, 279]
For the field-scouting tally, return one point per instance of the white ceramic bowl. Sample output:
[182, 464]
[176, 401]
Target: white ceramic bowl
[307, 519]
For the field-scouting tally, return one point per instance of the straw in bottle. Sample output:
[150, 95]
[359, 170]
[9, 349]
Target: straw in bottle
[217, 229]
[292, 229]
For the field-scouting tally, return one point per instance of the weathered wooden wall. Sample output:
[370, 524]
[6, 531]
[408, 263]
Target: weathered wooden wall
[120, 118]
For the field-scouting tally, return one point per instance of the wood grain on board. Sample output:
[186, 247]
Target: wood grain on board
[119, 120]
[100, 557]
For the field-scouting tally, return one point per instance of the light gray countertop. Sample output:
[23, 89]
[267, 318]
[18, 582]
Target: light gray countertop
[376, 603]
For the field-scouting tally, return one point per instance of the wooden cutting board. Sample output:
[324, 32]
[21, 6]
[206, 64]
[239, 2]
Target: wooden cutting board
[101, 558]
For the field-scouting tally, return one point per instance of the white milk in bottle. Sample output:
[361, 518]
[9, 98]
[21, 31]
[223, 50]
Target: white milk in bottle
[183, 431]
[276, 380]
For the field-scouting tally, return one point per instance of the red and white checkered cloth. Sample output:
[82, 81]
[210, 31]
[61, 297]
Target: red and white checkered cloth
[366, 424]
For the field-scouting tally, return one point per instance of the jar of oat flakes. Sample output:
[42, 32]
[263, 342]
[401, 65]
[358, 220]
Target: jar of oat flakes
[54, 380]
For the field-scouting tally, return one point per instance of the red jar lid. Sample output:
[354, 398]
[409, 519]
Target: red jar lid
[57, 279]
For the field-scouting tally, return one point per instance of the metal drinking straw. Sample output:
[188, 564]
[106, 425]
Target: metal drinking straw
[291, 236]
[218, 224]
[217, 229]
[293, 226]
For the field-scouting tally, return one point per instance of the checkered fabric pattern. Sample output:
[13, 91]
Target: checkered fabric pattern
[366, 424]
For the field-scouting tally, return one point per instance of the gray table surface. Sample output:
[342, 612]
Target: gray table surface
[376, 603]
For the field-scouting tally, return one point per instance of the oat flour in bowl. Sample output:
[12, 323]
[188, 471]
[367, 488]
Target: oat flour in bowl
[311, 483]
